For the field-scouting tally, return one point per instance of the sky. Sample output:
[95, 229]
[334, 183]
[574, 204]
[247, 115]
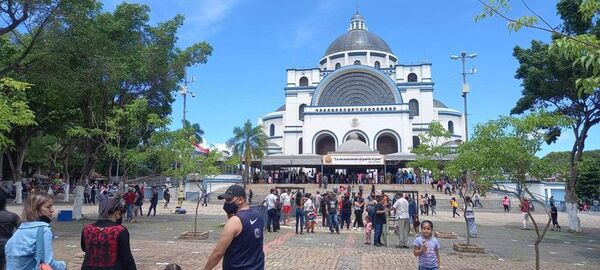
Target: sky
[255, 41]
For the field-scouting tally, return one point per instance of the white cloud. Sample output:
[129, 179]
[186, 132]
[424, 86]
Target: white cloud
[206, 17]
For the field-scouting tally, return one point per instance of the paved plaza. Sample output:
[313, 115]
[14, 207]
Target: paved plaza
[154, 243]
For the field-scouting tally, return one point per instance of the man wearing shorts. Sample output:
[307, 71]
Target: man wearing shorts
[287, 207]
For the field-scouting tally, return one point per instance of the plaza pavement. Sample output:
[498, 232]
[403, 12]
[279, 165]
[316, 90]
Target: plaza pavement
[154, 243]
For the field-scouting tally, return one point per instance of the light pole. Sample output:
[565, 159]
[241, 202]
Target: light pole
[183, 90]
[465, 87]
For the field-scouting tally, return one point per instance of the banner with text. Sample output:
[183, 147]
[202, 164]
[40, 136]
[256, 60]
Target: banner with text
[353, 160]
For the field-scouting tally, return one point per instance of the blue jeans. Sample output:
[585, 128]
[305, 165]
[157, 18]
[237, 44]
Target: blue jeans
[271, 217]
[378, 231]
[299, 219]
[129, 211]
[333, 222]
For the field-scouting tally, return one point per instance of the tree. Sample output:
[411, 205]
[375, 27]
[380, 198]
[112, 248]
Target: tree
[127, 131]
[209, 168]
[14, 112]
[562, 77]
[506, 149]
[577, 41]
[198, 132]
[433, 151]
[248, 142]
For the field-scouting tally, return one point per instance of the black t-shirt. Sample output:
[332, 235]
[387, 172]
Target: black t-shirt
[332, 206]
[346, 206]
[379, 218]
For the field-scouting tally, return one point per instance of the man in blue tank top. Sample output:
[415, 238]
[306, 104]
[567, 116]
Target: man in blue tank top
[241, 242]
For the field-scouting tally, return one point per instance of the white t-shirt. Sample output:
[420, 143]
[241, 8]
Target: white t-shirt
[271, 200]
[285, 198]
[401, 207]
[308, 204]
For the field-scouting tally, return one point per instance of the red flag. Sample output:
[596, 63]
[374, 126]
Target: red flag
[200, 149]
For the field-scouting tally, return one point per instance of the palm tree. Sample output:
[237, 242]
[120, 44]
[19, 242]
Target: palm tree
[198, 131]
[248, 142]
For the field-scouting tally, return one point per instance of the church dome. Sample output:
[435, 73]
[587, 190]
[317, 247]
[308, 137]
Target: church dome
[353, 144]
[358, 38]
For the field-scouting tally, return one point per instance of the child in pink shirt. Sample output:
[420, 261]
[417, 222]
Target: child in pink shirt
[368, 229]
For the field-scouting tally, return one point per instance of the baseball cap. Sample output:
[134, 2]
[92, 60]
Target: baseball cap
[233, 191]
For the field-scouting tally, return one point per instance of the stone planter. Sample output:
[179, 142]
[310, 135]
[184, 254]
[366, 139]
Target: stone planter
[445, 235]
[468, 248]
[194, 235]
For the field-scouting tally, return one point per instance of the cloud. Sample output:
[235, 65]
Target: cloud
[206, 17]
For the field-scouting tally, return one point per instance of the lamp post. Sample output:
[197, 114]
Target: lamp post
[465, 87]
[184, 91]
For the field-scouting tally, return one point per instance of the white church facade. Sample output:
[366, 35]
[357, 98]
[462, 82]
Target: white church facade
[360, 101]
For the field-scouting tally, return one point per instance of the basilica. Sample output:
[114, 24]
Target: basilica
[360, 107]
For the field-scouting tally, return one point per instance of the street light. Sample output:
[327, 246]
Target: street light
[465, 86]
[184, 91]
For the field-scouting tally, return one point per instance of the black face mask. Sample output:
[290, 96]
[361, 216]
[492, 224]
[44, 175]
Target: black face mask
[120, 221]
[230, 208]
[45, 219]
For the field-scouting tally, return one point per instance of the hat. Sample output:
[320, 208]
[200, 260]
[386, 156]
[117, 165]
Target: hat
[233, 191]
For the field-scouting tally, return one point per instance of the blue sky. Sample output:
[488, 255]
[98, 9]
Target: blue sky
[255, 41]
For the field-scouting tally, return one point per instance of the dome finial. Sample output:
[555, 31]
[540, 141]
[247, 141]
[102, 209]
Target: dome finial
[357, 21]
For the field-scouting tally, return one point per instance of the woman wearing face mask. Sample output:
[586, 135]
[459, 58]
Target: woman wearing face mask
[106, 242]
[33, 236]
[241, 242]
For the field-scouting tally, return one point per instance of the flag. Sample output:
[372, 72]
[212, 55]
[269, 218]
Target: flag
[200, 150]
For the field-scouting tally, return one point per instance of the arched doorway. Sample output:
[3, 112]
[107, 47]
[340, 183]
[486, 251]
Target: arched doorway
[387, 144]
[362, 136]
[324, 143]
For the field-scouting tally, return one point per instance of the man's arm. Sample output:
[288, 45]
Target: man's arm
[232, 228]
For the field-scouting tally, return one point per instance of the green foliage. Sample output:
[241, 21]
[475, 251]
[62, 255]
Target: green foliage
[14, 110]
[589, 173]
[588, 186]
[505, 149]
[89, 65]
[248, 142]
[578, 42]
[174, 150]
[433, 152]
[126, 133]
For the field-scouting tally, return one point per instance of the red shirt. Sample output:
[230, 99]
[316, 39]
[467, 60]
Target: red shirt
[524, 206]
[129, 198]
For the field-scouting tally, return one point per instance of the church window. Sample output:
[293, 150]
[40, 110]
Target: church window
[303, 81]
[451, 127]
[357, 62]
[301, 112]
[272, 130]
[338, 65]
[300, 146]
[416, 141]
[413, 107]
[377, 64]
[412, 77]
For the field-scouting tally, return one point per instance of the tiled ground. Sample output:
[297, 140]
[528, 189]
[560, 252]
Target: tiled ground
[154, 244]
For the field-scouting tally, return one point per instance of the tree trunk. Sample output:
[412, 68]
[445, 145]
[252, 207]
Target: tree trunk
[1, 165]
[467, 224]
[78, 202]
[88, 165]
[67, 178]
[196, 217]
[16, 167]
[570, 194]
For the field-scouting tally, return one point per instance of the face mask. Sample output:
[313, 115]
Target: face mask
[120, 221]
[230, 208]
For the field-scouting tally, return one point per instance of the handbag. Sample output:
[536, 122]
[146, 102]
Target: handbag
[40, 251]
